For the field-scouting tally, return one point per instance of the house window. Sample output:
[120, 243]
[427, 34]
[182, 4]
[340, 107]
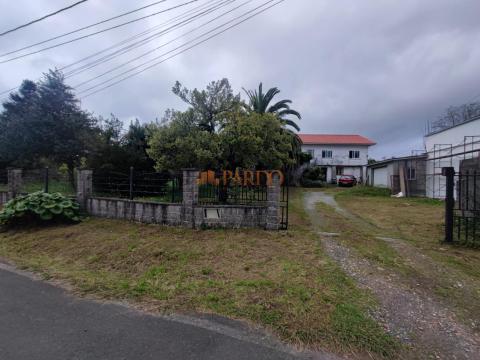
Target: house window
[311, 152]
[411, 173]
[327, 154]
[354, 154]
[339, 171]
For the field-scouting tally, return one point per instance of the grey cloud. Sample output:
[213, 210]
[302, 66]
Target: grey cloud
[378, 68]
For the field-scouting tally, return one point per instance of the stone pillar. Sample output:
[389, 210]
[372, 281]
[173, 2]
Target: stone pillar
[84, 186]
[273, 217]
[190, 196]
[14, 182]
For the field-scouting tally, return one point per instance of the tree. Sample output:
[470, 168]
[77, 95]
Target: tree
[107, 152]
[455, 115]
[180, 143]
[255, 141]
[245, 141]
[135, 143]
[260, 103]
[17, 124]
[44, 121]
[114, 150]
[209, 107]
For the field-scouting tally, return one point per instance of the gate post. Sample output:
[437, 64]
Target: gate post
[273, 203]
[84, 187]
[449, 173]
[190, 196]
[14, 182]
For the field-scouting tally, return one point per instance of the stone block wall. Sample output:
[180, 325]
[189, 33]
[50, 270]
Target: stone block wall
[189, 213]
[228, 216]
[4, 197]
[145, 212]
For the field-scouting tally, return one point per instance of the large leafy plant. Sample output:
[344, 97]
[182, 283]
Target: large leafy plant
[39, 207]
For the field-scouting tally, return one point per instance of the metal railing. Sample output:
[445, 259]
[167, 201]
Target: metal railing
[462, 207]
[47, 180]
[3, 179]
[216, 189]
[135, 185]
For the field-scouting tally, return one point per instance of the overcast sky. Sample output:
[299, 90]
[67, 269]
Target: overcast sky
[379, 68]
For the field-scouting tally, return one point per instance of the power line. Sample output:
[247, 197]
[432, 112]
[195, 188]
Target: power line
[97, 32]
[147, 40]
[139, 35]
[42, 18]
[157, 48]
[178, 53]
[88, 35]
[189, 12]
[82, 28]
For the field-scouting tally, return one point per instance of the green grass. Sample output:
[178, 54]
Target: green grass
[361, 236]
[281, 280]
[419, 223]
[362, 190]
[60, 186]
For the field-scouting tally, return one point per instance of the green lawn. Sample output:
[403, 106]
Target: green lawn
[281, 280]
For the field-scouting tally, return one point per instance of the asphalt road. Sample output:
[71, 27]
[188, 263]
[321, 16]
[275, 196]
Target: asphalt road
[39, 321]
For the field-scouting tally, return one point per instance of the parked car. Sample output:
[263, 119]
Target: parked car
[347, 180]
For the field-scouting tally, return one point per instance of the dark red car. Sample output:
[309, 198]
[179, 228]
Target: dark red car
[347, 180]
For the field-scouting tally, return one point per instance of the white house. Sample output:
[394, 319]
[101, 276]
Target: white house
[446, 148]
[338, 154]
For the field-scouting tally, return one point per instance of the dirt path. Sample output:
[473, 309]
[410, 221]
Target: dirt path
[406, 311]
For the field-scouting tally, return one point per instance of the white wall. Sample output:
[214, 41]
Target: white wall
[381, 177]
[340, 155]
[435, 182]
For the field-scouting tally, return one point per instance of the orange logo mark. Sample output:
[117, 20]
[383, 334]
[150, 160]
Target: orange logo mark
[242, 178]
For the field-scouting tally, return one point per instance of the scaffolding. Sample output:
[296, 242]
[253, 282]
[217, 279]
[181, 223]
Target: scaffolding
[448, 155]
[442, 157]
[470, 144]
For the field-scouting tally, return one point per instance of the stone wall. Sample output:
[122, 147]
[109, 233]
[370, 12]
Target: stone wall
[188, 213]
[145, 212]
[227, 216]
[4, 197]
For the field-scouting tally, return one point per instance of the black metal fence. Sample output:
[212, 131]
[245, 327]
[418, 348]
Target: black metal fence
[462, 207]
[217, 188]
[284, 197]
[48, 180]
[149, 186]
[3, 179]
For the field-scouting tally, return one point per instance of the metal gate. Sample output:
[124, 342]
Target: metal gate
[462, 207]
[284, 205]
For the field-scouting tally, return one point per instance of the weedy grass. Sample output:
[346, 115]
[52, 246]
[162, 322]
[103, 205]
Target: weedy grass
[281, 280]
[419, 222]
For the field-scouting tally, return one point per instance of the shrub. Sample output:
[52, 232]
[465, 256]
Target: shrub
[39, 207]
[313, 177]
[312, 183]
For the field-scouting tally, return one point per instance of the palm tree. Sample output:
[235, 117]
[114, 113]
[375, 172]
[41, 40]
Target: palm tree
[260, 103]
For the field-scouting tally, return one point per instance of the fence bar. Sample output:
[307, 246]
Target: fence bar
[449, 173]
[131, 184]
[46, 180]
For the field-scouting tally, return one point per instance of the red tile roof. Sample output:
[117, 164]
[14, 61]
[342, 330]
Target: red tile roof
[322, 139]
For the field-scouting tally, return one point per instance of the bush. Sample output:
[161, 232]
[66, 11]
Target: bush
[312, 183]
[39, 207]
[313, 177]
